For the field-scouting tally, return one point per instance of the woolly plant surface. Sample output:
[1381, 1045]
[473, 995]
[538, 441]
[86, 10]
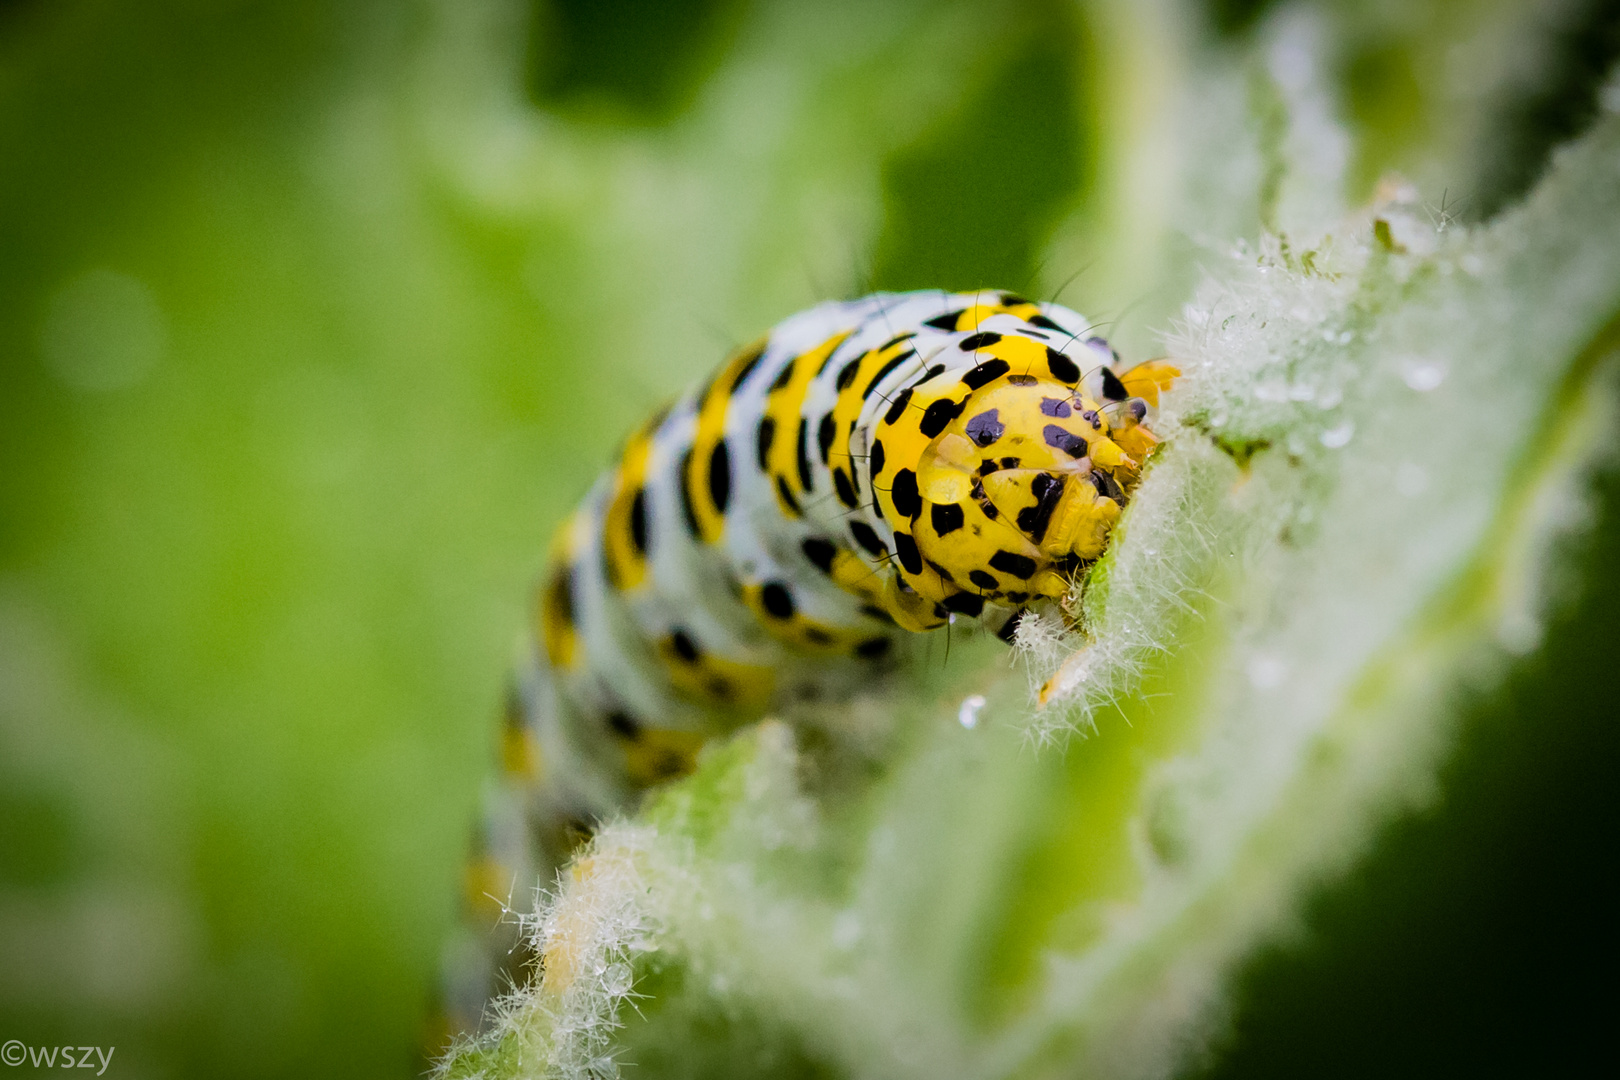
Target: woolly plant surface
[1386, 424]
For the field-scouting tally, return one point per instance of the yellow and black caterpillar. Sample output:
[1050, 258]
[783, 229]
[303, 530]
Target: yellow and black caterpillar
[868, 467]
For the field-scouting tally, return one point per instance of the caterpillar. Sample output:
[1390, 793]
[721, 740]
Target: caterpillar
[868, 469]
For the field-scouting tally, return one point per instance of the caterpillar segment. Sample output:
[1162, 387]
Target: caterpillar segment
[868, 470]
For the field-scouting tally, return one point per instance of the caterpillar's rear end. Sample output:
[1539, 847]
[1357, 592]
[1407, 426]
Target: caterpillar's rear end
[870, 469]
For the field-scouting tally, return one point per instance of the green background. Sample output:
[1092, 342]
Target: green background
[295, 384]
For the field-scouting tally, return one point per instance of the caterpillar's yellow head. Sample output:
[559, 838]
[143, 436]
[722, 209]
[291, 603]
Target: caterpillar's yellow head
[1001, 483]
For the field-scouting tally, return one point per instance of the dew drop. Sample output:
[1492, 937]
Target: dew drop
[968, 715]
[1423, 374]
[617, 980]
[1335, 437]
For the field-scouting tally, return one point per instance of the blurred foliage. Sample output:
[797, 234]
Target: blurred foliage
[968, 204]
[634, 60]
[317, 316]
[1477, 940]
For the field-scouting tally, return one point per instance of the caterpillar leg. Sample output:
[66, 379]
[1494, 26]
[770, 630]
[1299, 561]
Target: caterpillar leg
[1070, 673]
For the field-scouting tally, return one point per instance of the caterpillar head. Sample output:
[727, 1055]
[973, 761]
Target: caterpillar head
[1002, 483]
